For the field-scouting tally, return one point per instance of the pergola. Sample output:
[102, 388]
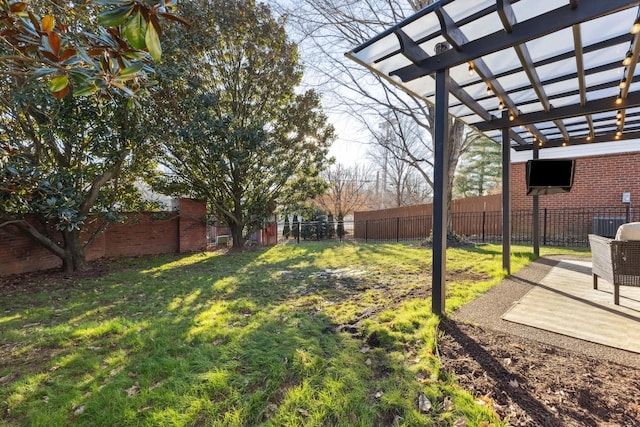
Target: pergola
[529, 74]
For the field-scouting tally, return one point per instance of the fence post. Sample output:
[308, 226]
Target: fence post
[298, 234]
[398, 229]
[484, 217]
[366, 231]
[544, 233]
[628, 212]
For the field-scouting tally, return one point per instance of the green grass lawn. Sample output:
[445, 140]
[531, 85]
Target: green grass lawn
[317, 334]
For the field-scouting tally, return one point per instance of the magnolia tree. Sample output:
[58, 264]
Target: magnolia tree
[242, 135]
[71, 139]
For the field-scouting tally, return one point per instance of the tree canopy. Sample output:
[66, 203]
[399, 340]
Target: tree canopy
[241, 136]
[71, 144]
[480, 170]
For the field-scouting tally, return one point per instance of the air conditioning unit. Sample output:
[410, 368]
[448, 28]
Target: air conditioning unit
[608, 225]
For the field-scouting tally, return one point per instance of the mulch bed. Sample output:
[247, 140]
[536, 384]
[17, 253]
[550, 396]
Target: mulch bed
[534, 384]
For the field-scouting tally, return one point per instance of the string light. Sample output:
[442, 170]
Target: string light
[618, 122]
[564, 143]
[470, 69]
[627, 59]
[588, 138]
[489, 91]
[623, 83]
[619, 115]
[501, 106]
[619, 99]
[635, 29]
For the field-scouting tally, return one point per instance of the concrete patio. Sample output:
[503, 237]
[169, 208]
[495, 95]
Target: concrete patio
[553, 301]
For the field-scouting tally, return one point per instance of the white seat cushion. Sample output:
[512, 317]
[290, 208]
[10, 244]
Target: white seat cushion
[629, 231]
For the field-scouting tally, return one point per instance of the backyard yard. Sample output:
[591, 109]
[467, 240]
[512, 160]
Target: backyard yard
[317, 334]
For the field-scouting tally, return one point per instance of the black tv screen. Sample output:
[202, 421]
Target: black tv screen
[549, 176]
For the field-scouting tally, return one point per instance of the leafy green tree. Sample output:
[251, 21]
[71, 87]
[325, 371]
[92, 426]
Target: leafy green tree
[238, 114]
[480, 170]
[65, 155]
[64, 48]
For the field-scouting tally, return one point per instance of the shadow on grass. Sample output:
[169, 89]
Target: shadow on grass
[207, 339]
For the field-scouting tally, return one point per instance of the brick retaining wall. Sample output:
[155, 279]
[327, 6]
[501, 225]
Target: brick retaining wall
[146, 233]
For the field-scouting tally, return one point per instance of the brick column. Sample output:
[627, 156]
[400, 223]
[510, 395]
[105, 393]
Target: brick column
[192, 232]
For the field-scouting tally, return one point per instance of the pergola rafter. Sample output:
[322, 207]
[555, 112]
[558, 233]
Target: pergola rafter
[555, 73]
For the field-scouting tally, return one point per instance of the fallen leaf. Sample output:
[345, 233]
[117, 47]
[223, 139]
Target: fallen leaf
[484, 400]
[447, 405]
[46, 399]
[116, 371]
[379, 394]
[132, 374]
[365, 349]
[421, 377]
[94, 348]
[304, 412]
[217, 342]
[514, 383]
[29, 325]
[272, 407]
[145, 409]
[460, 422]
[353, 418]
[6, 378]
[79, 410]
[156, 385]
[424, 404]
[368, 362]
[135, 389]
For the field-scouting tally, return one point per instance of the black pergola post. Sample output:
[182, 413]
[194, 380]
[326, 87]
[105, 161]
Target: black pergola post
[441, 133]
[535, 216]
[506, 197]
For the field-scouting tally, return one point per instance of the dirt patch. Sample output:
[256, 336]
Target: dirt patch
[55, 278]
[534, 384]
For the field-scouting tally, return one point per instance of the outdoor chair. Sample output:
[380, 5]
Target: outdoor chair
[617, 261]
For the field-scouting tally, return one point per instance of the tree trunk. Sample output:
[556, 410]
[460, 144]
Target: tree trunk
[237, 235]
[74, 256]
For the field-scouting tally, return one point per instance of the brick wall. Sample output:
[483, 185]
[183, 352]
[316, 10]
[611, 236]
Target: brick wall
[141, 234]
[598, 182]
[192, 232]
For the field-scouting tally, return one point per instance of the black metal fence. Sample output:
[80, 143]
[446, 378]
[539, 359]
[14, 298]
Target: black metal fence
[558, 227]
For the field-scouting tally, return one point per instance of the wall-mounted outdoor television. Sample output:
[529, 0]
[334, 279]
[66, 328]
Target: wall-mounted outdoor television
[549, 176]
